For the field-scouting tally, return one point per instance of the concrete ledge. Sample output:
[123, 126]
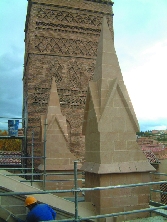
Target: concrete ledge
[125, 167]
[6, 215]
[58, 167]
[13, 184]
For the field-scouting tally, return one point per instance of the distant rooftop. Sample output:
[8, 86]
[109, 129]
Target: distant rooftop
[10, 158]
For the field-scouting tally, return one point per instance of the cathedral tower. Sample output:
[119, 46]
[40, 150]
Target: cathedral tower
[61, 39]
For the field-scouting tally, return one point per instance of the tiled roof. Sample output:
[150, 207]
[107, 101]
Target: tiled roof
[151, 157]
[152, 147]
[162, 156]
[10, 158]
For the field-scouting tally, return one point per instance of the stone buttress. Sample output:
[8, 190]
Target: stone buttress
[112, 156]
[57, 153]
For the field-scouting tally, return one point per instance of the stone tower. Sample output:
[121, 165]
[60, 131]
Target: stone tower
[61, 38]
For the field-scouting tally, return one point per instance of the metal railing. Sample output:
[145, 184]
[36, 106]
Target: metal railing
[29, 172]
[77, 189]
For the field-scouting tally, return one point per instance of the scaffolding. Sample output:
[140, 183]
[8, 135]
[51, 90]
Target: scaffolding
[159, 206]
[30, 175]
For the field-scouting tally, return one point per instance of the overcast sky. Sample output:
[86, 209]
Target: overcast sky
[140, 28]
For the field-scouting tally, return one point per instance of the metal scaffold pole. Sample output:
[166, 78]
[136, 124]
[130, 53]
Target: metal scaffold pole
[44, 172]
[76, 193]
[32, 158]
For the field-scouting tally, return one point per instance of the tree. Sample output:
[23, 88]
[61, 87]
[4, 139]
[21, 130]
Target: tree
[9, 144]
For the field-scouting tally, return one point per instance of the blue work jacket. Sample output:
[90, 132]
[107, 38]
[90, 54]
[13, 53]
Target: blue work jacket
[41, 212]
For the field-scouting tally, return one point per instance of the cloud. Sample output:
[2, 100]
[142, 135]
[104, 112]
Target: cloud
[158, 124]
[141, 45]
[12, 17]
[146, 82]
[11, 90]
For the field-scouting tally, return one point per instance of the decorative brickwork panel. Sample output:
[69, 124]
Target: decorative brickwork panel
[64, 46]
[68, 16]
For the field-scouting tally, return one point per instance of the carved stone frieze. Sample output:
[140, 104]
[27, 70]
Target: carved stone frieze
[64, 46]
[69, 16]
[68, 20]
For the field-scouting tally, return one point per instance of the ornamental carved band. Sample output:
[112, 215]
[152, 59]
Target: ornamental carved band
[62, 46]
[68, 17]
[67, 21]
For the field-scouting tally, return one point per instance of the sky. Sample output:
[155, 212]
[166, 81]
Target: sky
[140, 38]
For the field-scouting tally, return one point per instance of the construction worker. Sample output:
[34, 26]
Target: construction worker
[38, 212]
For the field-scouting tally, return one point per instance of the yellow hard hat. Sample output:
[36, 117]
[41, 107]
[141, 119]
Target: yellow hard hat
[30, 200]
